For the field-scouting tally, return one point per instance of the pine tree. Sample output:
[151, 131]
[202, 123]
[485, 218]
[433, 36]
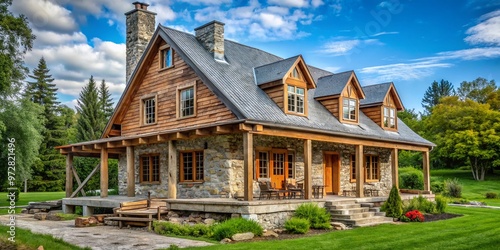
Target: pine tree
[393, 207]
[435, 92]
[89, 123]
[105, 103]
[48, 171]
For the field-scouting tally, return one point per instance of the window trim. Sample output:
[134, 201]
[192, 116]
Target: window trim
[178, 100]
[368, 174]
[161, 60]
[270, 162]
[356, 109]
[352, 162]
[286, 103]
[389, 117]
[142, 111]
[181, 166]
[141, 168]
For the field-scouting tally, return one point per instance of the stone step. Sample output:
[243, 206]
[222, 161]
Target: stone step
[340, 202]
[366, 204]
[349, 211]
[343, 206]
[374, 209]
[380, 214]
[364, 221]
[353, 216]
[374, 224]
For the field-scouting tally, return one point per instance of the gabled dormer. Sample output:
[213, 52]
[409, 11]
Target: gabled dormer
[340, 94]
[382, 104]
[286, 82]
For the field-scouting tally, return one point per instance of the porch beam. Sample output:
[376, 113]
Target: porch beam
[172, 170]
[130, 172]
[78, 181]
[426, 164]
[181, 135]
[308, 169]
[360, 172]
[223, 129]
[395, 166]
[248, 166]
[104, 172]
[85, 181]
[69, 175]
[202, 132]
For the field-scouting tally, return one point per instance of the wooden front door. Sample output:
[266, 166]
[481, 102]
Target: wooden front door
[332, 173]
[279, 168]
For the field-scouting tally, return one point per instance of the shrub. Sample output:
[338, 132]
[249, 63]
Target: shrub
[415, 216]
[437, 186]
[420, 203]
[393, 207]
[233, 226]
[441, 204]
[319, 218]
[411, 178]
[297, 225]
[168, 228]
[491, 195]
[453, 188]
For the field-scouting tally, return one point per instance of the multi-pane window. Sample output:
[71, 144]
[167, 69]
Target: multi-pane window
[296, 99]
[167, 57]
[186, 101]
[349, 109]
[192, 167]
[150, 168]
[278, 164]
[149, 110]
[353, 167]
[263, 165]
[295, 73]
[371, 167]
[291, 164]
[389, 117]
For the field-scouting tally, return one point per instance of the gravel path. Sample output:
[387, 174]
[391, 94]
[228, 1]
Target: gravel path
[100, 237]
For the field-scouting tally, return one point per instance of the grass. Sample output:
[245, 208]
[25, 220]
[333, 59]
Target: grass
[472, 189]
[477, 229]
[24, 198]
[25, 239]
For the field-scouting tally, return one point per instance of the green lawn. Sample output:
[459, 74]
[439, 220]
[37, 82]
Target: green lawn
[477, 229]
[472, 189]
[24, 198]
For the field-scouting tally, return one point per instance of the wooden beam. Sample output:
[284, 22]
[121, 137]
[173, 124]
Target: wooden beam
[248, 166]
[98, 146]
[245, 127]
[202, 132]
[104, 172]
[130, 172]
[172, 171]
[69, 175]
[258, 128]
[180, 135]
[76, 148]
[87, 147]
[395, 166]
[360, 172]
[73, 169]
[308, 169]
[85, 181]
[114, 144]
[142, 140]
[161, 138]
[427, 177]
[223, 129]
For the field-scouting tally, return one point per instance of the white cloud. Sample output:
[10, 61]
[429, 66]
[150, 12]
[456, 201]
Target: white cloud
[290, 3]
[487, 31]
[317, 3]
[336, 6]
[401, 71]
[332, 69]
[206, 2]
[385, 33]
[51, 38]
[340, 47]
[271, 20]
[46, 15]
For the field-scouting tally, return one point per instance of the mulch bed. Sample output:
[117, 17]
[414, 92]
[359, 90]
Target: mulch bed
[435, 217]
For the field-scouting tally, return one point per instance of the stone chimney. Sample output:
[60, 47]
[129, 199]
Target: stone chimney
[211, 36]
[140, 29]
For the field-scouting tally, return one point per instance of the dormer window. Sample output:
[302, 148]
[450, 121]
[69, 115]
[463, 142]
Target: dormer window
[296, 99]
[389, 117]
[295, 73]
[166, 57]
[350, 109]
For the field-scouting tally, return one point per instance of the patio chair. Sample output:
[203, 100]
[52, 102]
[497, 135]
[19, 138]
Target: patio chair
[267, 191]
[293, 190]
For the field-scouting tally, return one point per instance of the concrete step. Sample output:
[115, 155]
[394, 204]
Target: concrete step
[374, 224]
[343, 206]
[339, 202]
[349, 210]
[353, 216]
[373, 220]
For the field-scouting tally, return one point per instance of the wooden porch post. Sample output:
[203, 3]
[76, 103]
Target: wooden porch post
[308, 169]
[172, 171]
[427, 178]
[248, 165]
[69, 175]
[360, 172]
[130, 172]
[395, 166]
[104, 172]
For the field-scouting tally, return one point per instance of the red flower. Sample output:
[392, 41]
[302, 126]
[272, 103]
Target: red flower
[415, 215]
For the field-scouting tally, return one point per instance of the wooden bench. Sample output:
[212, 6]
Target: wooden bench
[139, 213]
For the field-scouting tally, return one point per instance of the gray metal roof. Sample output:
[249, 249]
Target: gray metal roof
[233, 82]
[375, 93]
[273, 71]
[332, 84]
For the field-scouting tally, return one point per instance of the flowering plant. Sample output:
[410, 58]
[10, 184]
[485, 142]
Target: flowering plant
[415, 215]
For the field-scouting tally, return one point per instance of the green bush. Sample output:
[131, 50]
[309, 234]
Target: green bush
[411, 178]
[168, 228]
[437, 186]
[393, 207]
[441, 204]
[319, 218]
[420, 203]
[233, 226]
[453, 188]
[491, 195]
[297, 225]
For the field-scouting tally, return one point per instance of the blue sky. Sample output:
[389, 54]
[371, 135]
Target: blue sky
[411, 43]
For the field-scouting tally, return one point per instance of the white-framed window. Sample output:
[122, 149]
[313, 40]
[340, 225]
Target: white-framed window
[389, 117]
[349, 109]
[149, 110]
[296, 99]
[186, 102]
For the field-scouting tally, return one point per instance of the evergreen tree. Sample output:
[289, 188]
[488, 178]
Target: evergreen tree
[435, 92]
[105, 103]
[49, 170]
[90, 120]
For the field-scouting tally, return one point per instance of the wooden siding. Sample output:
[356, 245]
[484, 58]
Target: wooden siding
[277, 95]
[332, 105]
[374, 113]
[165, 83]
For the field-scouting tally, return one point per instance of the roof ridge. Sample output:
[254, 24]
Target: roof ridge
[278, 61]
